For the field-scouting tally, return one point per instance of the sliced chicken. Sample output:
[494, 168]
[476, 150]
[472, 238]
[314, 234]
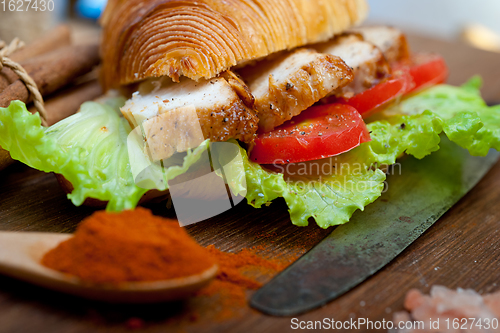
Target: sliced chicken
[290, 83]
[367, 61]
[221, 112]
[391, 41]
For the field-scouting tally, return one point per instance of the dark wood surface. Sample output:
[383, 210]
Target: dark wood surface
[460, 250]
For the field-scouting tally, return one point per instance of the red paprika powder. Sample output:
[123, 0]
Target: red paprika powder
[129, 246]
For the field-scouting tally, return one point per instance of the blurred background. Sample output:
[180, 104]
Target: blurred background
[28, 23]
[473, 22]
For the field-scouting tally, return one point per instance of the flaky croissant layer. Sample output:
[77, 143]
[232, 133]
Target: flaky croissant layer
[202, 38]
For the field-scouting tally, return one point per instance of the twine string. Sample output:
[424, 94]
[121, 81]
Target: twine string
[5, 51]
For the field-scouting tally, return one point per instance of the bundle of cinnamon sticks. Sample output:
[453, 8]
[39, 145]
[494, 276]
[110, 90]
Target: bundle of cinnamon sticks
[64, 74]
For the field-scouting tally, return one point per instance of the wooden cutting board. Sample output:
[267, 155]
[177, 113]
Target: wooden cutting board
[460, 250]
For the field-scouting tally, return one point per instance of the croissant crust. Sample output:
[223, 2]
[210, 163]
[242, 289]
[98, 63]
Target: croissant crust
[202, 38]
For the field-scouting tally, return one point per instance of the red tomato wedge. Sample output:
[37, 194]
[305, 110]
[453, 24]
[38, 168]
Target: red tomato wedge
[319, 132]
[382, 93]
[426, 70]
[421, 71]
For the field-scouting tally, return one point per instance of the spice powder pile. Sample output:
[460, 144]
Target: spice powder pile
[129, 246]
[226, 297]
[137, 246]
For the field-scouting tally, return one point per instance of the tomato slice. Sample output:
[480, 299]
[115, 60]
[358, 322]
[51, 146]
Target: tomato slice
[427, 70]
[421, 71]
[382, 93]
[319, 132]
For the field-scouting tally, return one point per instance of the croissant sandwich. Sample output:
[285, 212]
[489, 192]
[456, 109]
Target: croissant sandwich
[318, 107]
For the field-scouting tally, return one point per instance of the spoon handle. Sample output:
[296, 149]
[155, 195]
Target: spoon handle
[21, 253]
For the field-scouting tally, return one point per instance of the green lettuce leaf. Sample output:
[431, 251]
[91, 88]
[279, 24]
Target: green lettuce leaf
[412, 127]
[467, 120]
[478, 132]
[331, 198]
[416, 135]
[89, 149]
[356, 181]
[263, 186]
[444, 100]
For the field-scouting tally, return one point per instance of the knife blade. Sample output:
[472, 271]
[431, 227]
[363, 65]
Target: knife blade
[417, 196]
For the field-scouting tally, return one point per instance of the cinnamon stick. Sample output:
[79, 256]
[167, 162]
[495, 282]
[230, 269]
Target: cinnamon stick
[67, 102]
[61, 106]
[53, 71]
[53, 40]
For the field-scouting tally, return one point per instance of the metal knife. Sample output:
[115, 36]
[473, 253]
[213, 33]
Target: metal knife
[415, 199]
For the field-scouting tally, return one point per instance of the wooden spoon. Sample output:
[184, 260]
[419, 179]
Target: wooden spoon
[22, 252]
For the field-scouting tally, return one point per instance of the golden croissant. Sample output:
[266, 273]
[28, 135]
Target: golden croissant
[202, 38]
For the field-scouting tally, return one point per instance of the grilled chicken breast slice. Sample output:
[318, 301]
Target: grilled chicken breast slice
[366, 60]
[288, 84]
[221, 112]
[391, 41]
